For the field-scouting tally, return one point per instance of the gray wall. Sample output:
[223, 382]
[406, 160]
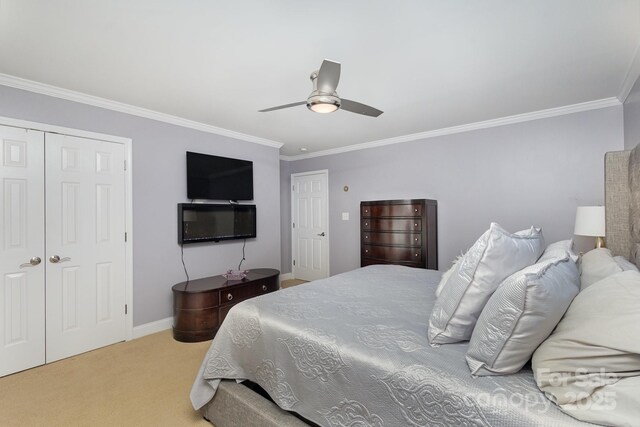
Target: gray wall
[632, 117]
[159, 183]
[528, 173]
[285, 215]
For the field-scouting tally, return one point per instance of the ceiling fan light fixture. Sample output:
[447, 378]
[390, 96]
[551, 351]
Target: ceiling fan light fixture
[324, 98]
[323, 103]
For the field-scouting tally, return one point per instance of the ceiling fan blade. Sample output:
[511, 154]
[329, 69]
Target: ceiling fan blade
[328, 76]
[280, 107]
[358, 108]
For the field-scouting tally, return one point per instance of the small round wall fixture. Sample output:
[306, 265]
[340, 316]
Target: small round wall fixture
[346, 188]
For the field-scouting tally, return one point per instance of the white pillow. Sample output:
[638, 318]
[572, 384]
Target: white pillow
[521, 313]
[446, 275]
[495, 255]
[596, 265]
[592, 359]
[625, 264]
[558, 249]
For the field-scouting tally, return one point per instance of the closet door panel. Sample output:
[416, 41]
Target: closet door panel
[85, 245]
[22, 285]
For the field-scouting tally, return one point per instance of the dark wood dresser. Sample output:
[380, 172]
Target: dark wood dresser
[401, 232]
[200, 306]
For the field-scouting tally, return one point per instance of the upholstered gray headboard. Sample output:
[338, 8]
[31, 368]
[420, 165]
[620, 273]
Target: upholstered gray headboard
[622, 202]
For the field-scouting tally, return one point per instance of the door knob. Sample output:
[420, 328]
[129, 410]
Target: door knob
[321, 234]
[56, 259]
[32, 262]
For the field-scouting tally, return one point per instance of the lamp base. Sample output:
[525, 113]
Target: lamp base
[600, 243]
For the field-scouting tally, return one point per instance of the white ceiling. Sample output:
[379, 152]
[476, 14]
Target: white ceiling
[427, 64]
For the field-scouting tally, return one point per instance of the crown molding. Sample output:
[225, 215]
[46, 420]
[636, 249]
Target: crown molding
[633, 73]
[69, 95]
[518, 118]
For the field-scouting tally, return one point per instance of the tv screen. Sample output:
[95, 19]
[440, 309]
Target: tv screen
[218, 178]
[206, 223]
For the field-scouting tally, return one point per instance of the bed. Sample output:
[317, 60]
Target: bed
[352, 350]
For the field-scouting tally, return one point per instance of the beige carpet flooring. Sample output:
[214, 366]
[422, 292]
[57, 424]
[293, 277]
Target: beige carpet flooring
[144, 382]
[291, 282]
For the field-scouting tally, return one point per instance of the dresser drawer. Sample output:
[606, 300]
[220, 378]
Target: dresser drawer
[399, 239]
[391, 210]
[195, 300]
[391, 224]
[241, 293]
[235, 294]
[223, 311]
[264, 287]
[392, 253]
[196, 320]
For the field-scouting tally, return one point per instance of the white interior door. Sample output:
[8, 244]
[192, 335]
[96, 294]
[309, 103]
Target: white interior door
[85, 226]
[22, 292]
[310, 225]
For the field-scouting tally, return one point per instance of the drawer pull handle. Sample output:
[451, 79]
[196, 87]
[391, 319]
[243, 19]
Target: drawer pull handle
[415, 225]
[417, 255]
[229, 297]
[416, 210]
[366, 237]
[264, 288]
[416, 239]
[366, 250]
[366, 223]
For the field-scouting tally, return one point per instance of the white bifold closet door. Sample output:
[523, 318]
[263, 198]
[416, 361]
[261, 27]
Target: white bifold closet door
[63, 247]
[22, 263]
[85, 228]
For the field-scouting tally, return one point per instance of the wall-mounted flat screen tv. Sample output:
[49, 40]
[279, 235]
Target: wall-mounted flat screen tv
[218, 178]
[199, 223]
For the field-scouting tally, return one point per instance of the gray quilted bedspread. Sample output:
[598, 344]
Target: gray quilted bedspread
[352, 350]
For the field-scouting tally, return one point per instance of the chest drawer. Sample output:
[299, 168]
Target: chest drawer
[402, 231]
[372, 261]
[399, 239]
[392, 253]
[391, 224]
[391, 210]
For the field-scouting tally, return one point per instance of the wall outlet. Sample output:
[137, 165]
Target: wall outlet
[345, 216]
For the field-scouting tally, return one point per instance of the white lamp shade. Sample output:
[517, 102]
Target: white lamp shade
[590, 221]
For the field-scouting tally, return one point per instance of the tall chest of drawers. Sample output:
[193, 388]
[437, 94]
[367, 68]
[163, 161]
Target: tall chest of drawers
[401, 232]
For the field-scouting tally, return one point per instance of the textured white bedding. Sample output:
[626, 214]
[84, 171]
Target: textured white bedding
[353, 350]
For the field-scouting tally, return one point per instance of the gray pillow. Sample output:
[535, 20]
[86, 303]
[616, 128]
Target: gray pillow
[596, 265]
[495, 255]
[590, 365]
[520, 315]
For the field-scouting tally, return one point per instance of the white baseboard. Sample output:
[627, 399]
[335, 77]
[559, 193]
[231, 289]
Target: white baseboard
[286, 276]
[152, 327]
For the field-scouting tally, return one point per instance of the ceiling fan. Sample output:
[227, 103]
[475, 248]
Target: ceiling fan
[324, 98]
